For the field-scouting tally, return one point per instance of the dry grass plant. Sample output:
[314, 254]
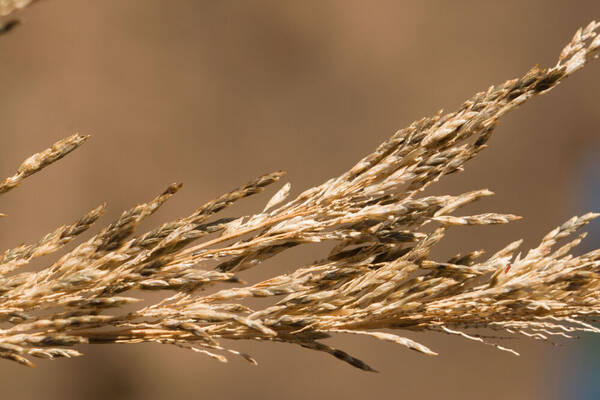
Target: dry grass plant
[378, 275]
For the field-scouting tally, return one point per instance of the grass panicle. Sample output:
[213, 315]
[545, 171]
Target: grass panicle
[379, 274]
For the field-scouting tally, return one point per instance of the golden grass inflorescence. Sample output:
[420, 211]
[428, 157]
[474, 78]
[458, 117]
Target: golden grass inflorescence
[377, 276]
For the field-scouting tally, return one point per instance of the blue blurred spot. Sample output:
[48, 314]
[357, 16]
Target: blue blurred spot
[583, 368]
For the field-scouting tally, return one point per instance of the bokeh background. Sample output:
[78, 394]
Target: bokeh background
[215, 93]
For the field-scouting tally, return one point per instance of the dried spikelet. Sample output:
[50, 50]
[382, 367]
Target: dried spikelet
[15, 258]
[378, 275]
[38, 161]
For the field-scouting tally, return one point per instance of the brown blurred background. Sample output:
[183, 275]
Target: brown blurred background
[214, 93]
